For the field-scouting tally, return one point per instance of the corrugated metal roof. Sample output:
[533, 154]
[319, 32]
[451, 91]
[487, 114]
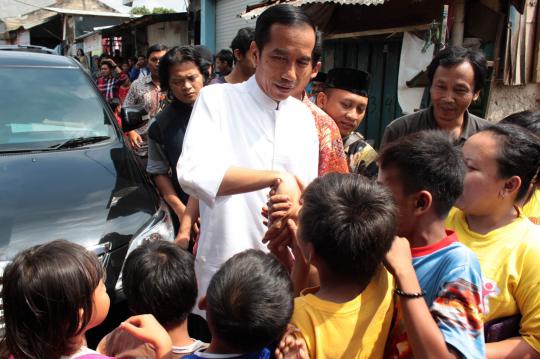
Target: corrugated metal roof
[13, 8]
[23, 22]
[89, 12]
[255, 10]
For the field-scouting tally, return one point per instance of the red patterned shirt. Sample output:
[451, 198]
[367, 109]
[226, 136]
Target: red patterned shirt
[331, 154]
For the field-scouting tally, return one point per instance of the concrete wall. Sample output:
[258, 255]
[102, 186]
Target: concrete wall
[172, 33]
[505, 100]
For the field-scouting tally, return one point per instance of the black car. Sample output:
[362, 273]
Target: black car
[66, 171]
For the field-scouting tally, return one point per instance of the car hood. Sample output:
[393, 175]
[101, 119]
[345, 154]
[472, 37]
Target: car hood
[89, 195]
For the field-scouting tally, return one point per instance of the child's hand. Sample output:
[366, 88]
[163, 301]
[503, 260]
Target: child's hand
[135, 140]
[290, 346]
[146, 328]
[398, 260]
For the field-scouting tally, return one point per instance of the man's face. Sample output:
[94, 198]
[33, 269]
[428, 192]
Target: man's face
[452, 91]
[285, 61]
[221, 66]
[125, 68]
[153, 61]
[346, 108]
[141, 61]
[185, 81]
[105, 70]
[245, 61]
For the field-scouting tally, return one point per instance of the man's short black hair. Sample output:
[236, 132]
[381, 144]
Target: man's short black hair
[107, 63]
[455, 55]
[242, 40]
[226, 56]
[283, 14]
[427, 161]
[176, 56]
[159, 279]
[249, 301]
[155, 48]
[351, 223]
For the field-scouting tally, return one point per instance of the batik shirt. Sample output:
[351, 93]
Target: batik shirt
[449, 274]
[331, 154]
[361, 156]
[144, 92]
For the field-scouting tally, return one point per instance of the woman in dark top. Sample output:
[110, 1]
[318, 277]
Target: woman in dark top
[181, 73]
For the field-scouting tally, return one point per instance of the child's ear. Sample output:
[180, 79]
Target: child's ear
[202, 303]
[424, 202]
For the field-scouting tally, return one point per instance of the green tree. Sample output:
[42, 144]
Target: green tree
[162, 10]
[140, 10]
[143, 10]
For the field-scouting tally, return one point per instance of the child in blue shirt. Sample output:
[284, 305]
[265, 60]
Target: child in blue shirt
[438, 279]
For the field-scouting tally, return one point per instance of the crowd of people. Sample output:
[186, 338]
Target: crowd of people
[296, 238]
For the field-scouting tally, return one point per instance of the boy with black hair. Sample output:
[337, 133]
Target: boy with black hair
[440, 287]
[345, 99]
[346, 226]
[224, 62]
[158, 278]
[244, 65]
[248, 305]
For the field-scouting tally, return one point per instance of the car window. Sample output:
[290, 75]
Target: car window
[43, 107]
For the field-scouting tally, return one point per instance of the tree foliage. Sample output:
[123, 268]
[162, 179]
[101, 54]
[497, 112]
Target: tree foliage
[143, 10]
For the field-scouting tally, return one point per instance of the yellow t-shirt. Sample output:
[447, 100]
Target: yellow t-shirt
[532, 208]
[355, 329]
[509, 258]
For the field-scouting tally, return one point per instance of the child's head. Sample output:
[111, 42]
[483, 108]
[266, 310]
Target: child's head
[348, 223]
[52, 293]
[159, 279]
[249, 301]
[115, 104]
[425, 172]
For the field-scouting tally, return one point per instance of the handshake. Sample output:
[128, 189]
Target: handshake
[281, 217]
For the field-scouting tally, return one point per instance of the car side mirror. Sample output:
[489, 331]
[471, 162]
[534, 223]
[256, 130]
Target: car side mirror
[133, 118]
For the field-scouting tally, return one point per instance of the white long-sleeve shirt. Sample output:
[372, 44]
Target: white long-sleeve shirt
[239, 125]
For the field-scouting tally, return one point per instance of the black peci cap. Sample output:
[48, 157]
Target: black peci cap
[355, 81]
[321, 77]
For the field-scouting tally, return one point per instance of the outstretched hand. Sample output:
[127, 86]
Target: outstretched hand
[291, 346]
[146, 328]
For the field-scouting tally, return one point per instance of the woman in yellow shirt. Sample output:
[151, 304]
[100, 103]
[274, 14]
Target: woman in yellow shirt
[531, 121]
[502, 162]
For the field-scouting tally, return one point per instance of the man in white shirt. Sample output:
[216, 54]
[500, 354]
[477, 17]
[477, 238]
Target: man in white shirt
[243, 139]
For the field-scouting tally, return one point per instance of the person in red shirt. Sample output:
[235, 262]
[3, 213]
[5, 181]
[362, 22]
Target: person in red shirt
[110, 80]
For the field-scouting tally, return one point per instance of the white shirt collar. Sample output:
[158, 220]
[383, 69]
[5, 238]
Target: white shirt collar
[202, 354]
[258, 94]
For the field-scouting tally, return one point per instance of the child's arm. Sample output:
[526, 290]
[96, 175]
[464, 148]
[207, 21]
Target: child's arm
[303, 274]
[146, 328]
[425, 337]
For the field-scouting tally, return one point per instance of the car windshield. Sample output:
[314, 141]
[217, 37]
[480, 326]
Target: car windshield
[42, 108]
